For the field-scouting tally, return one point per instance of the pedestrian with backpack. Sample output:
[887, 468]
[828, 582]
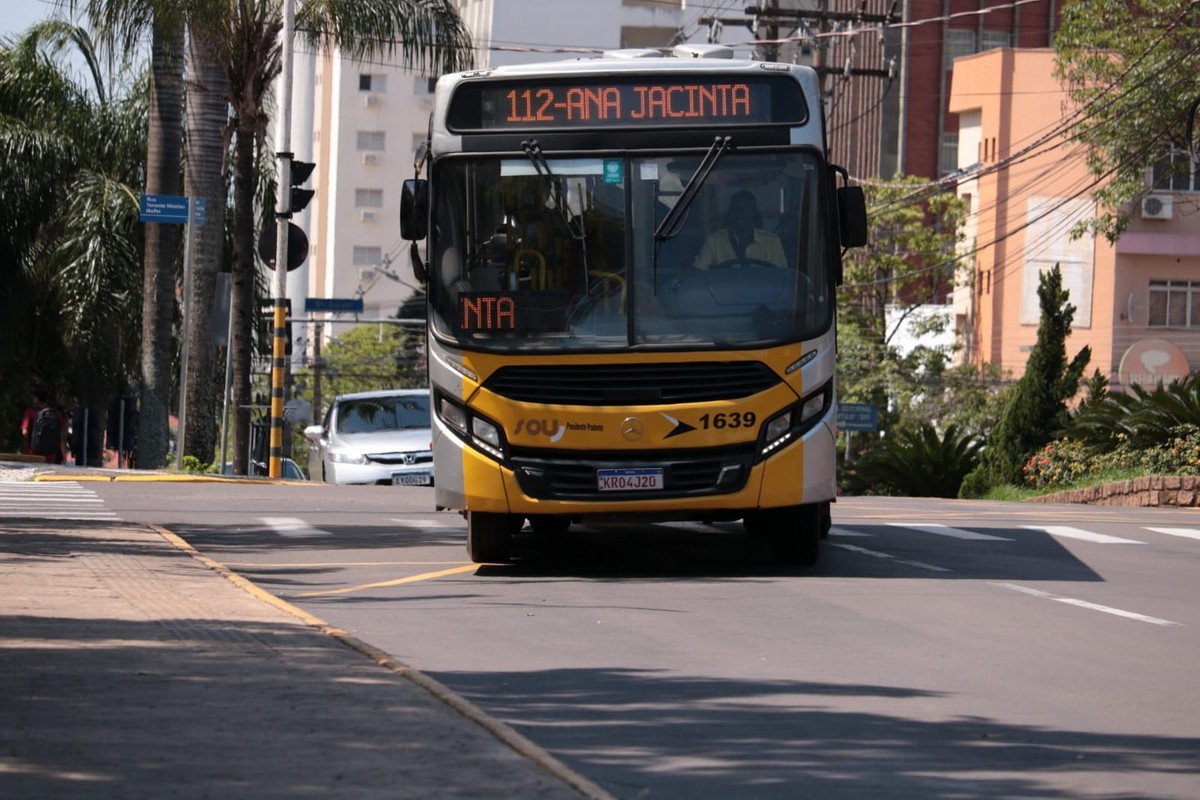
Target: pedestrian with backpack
[43, 429]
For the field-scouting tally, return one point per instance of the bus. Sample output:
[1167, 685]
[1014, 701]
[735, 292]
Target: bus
[630, 266]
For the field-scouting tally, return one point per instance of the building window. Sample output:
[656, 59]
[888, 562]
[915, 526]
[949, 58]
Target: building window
[372, 83]
[424, 85]
[1176, 172]
[368, 198]
[368, 256]
[1174, 304]
[959, 42]
[948, 155]
[994, 39]
[370, 140]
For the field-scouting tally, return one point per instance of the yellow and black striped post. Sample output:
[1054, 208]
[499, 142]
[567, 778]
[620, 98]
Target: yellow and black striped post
[278, 365]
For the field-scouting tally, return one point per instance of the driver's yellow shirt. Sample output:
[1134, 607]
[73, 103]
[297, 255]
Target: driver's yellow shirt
[717, 248]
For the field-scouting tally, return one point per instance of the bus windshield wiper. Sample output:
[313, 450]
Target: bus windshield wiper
[533, 151]
[673, 222]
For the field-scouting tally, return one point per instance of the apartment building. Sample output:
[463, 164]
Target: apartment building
[1137, 301]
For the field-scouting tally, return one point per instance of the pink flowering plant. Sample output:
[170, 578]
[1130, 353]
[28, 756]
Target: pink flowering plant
[1060, 463]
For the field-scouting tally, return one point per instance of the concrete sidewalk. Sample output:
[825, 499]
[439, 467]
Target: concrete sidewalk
[133, 667]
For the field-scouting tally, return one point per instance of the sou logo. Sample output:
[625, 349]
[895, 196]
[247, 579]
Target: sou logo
[540, 427]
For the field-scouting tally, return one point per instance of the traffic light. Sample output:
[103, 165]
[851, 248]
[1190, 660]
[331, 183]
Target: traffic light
[301, 170]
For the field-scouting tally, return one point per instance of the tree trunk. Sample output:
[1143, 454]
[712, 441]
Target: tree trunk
[164, 144]
[207, 115]
[243, 310]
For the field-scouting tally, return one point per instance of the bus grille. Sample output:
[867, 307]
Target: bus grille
[632, 384]
[685, 474]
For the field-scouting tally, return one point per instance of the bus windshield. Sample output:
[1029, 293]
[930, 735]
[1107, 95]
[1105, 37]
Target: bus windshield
[537, 252]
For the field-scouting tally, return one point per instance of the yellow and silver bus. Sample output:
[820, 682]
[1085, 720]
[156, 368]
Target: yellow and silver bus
[631, 264]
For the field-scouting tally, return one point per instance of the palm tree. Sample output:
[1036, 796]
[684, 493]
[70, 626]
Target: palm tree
[425, 34]
[1145, 418]
[121, 24]
[207, 145]
[69, 239]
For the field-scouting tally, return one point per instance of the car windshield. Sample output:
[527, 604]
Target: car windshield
[373, 414]
[573, 253]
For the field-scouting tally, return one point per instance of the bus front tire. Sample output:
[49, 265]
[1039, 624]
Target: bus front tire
[794, 530]
[489, 536]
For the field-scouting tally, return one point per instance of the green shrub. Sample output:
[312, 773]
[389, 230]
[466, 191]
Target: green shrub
[916, 463]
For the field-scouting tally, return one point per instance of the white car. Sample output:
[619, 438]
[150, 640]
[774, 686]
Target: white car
[379, 437]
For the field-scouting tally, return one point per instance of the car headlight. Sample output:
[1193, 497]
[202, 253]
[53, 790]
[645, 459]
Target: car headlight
[340, 457]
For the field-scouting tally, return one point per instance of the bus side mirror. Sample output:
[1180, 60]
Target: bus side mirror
[414, 210]
[852, 216]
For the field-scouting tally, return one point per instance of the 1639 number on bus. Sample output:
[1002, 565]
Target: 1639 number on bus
[629, 480]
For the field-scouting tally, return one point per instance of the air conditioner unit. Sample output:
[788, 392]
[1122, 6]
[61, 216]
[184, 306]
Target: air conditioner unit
[370, 158]
[1157, 206]
[368, 215]
[371, 100]
[366, 274]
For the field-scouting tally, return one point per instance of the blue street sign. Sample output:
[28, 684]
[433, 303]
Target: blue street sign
[350, 304]
[857, 417]
[164, 208]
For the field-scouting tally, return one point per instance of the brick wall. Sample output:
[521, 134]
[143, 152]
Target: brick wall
[1149, 490]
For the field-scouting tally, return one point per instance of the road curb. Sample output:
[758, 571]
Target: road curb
[466, 708]
[62, 477]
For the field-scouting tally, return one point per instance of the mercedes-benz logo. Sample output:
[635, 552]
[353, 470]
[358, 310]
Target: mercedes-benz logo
[632, 429]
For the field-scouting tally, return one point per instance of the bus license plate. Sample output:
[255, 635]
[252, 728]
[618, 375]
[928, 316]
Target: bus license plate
[629, 480]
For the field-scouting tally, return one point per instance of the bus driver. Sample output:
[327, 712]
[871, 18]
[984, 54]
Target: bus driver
[742, 238]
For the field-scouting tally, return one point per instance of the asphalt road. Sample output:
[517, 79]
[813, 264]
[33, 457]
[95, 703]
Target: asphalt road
[941, 649]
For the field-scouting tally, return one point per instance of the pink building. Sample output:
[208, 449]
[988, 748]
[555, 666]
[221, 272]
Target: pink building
[1137, 302]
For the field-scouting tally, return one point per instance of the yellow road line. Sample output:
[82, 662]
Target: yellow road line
[410, 579]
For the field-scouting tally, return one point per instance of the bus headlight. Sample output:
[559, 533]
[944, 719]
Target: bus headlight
[479, 432]
[779, 425]
[794, 421]
[453, 415]
[485, 433]
[814, 406]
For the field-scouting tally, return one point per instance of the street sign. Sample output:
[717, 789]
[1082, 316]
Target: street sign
[857, 417]
[198, 211]
[350, 304]
[164, 208]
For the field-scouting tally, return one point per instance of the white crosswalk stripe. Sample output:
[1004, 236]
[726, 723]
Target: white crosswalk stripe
[953, 533]
[1186, 533]
[52, 500]
[292, 527]
[1067, 532]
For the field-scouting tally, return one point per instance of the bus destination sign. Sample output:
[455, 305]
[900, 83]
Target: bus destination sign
[608, 101]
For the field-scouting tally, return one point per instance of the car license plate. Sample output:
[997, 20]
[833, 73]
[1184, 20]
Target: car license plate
[629, 480]
[411, 480]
